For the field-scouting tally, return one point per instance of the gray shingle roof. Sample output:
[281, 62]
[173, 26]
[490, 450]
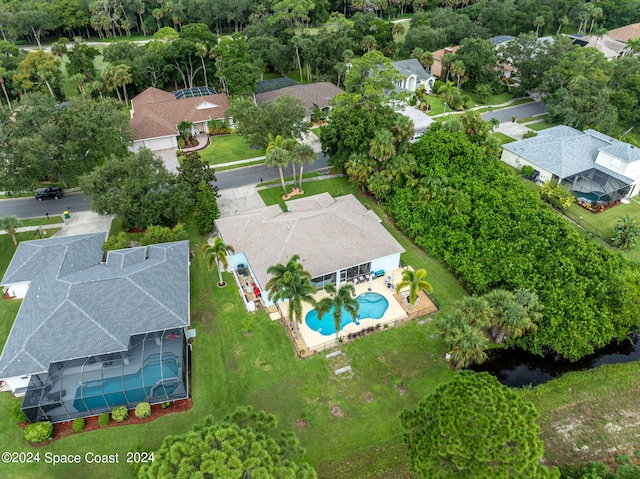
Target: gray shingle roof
[77, 307]
[500, 39]
[328, 233]
[565, 151]
[312, 94]
[411, 67]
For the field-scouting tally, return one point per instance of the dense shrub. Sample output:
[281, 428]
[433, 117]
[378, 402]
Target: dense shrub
[527, 171]
[143, 410]
[17, 413]
[38, 432]
[79, 424]
[181, 142]
[119, 413]
[104, 419]
[494, 232]
[162, 234]
[166, 404]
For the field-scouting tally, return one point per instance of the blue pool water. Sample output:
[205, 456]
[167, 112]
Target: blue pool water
[372, 305]
[138, 386]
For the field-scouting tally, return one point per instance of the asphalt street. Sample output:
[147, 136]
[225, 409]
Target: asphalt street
[30, 207]
[520, 111]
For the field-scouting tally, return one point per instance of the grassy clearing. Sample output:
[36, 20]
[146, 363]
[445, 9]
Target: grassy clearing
[227, 148]
[601, 224]
[502, 138]
[590, 415]
[43, 220]
[533, 118]
[312, 174]
[540, 125]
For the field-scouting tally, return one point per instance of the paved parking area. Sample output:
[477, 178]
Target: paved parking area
[85, 222]
[237, 200]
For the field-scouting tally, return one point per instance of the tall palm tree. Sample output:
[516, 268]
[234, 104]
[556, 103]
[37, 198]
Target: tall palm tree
[633, 47]
[122, 77]
[382, 146]
[217, 253]
[626, 233]
[278, 157]
[458, 70]
[290, 282]
[339, 299]
[3, 74]
[305, 154]
[416, 282]
[468, 346]
[447, 60]
[10, 224]
[290, 145]
[185, 129]
[477, 311]
[538, 22]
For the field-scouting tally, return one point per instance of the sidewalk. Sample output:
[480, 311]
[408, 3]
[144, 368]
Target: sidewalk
[480, 107]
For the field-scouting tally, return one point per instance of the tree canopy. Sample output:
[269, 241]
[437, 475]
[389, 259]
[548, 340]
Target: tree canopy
[474, 427]
[243, 444]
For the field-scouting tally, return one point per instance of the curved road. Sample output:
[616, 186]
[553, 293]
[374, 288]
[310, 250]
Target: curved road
[519, 111]
[29, 207]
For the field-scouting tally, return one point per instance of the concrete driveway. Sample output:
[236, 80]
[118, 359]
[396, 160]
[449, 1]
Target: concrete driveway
[169, 159]
[85, 222]
[236, 200]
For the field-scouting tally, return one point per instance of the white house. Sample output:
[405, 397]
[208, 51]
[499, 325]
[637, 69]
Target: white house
[156, 113]
[592, 165]
[414, 76]
[337, 239]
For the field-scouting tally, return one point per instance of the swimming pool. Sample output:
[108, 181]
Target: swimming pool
[372, 305]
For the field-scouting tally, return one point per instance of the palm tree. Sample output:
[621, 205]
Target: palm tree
[448, 92]
[121, 78]
[305, 154]
[633, 47]
[290, 145]
[339, 299]
[278, 156]
[416, 282]
[447, 60]
[297, 43]
[538, 22]
[626, 233]
[458, 70]
[3, 74]
[510, 318]
[425, 58]
[467, 346]
[202, 51]
[359, 167]
[217, 253]
[368, 43]
[292, 283]
[185, 128]
[561, 23]
[10, 224]
[477, 311]
[382, 147]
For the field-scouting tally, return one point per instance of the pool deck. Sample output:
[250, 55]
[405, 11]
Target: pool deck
[311, 340]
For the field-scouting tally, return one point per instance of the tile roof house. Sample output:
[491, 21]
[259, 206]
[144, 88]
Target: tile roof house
[155, 114]
[91, 335]
[414, 76]
[312, 94]
[337, 239]
[436, 67]
[626, 33]
[609, 47]
[592, 165]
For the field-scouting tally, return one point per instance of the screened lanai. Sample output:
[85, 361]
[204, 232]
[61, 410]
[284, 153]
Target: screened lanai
[597, 185]
[153, 369]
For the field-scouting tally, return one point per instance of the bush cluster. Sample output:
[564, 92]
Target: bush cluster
[119, 413]
[79, 424]
[143, 410]
[38, 432]
[17, 413]
[472, 212]
[104, 419]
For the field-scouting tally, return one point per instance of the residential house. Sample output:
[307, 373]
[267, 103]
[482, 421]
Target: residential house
[92, 334]
[436, 67]
[626, 33]
[592, 165]
[414, 76]
[609, 47]
[312, 94]
[156, 113]
[337, 239]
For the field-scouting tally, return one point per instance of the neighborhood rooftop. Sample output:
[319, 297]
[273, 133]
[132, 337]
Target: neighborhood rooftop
[327, 233]
[312, 94]
[411, 67]
[565, 151]
[77, 306]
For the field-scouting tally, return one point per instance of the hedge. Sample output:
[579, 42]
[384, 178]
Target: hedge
[38, 432]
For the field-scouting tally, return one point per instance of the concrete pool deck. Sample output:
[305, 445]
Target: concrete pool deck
[312, 340]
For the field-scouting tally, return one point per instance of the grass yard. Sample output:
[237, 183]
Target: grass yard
[227, 148]
[502, 138]
[312, 174]
[544, 116]
[43, 220]
[539, 125]
[334, 186]
[602, 224]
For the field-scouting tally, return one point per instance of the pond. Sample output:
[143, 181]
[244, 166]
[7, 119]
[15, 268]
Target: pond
[517, 368]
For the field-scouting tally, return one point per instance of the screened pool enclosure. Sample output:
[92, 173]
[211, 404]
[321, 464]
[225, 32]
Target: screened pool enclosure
[153, 369]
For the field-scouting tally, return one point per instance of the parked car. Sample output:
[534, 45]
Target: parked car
[46, 193]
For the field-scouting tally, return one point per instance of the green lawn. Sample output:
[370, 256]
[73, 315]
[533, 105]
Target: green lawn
[504, 139]
[540, 125]
[544, 116]
[334, 186]
[227, 148]
[43, 220]
[312, 174]
[601, 224]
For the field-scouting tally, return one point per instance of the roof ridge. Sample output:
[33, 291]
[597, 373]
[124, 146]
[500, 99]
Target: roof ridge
[162, 305]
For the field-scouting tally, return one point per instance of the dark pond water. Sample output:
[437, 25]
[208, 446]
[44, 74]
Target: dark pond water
[516, 368]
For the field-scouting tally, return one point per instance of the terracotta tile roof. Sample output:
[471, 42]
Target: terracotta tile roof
[312, 94]
[436, 68]
[156, 113]
[626, 33]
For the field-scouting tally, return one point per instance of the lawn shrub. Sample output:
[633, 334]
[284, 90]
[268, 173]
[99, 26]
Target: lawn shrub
[163, 234]
[119, 413]
[79, 424]
[166, 404]
[38, 432]
[104, 419]
[181, 142]
[143, 410]
[527, 171]
[17, 413]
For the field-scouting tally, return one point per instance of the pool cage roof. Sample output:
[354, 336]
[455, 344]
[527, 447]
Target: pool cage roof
[598, 185]
[274, 84]
[194, 92]
[153, 369]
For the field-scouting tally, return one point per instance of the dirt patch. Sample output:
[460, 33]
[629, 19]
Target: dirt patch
[301, 423]
[402, 388]
[336, 411]
[368, 397]
[63, 429]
